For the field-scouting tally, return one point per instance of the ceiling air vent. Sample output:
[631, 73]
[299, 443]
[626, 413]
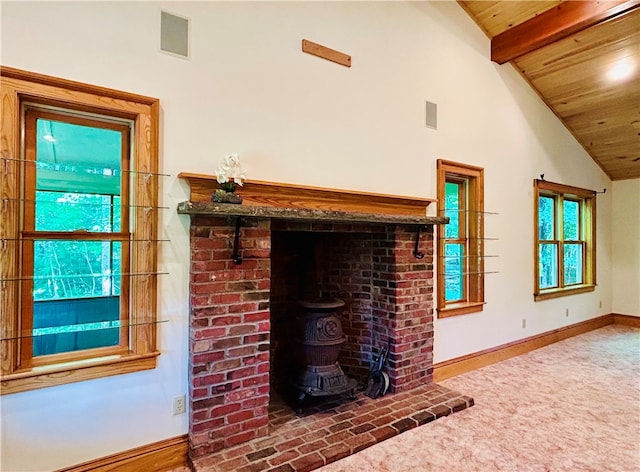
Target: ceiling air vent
[174, 34]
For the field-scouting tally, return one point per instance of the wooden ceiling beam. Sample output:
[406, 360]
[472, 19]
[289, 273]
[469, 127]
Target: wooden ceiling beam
[554, 24]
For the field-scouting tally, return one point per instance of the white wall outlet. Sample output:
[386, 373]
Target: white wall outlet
[600, 304]
[566, 312]
[180, 404]
[524, 322]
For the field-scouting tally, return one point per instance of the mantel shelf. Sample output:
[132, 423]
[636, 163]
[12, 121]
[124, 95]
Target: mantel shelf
[329, 201]
[303, 214]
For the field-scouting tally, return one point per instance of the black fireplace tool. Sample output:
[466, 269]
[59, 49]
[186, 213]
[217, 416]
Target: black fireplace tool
[378, 382]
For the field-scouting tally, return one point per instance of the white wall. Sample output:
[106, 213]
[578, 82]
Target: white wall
[626, 247]
[295, 118]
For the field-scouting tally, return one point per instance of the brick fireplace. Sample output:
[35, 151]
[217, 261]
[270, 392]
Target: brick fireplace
[250, 263]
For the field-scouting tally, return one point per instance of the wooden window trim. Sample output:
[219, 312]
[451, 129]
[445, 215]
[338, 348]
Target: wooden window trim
[456, 309]
[16, 89]
[473, 177]
[587, 223]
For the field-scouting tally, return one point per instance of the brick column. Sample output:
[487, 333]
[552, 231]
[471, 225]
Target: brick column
[229, 334]
[403, 305]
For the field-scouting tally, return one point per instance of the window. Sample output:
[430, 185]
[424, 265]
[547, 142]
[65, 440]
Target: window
[564, 241]
[78, 252]
[460, 243]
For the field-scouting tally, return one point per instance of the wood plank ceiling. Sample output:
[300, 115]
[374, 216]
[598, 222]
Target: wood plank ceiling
[570, 53]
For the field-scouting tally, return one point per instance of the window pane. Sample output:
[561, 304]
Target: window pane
[112, 284]
[64, 211]
[452, 207]
[115, 208]
[546, 217]
[571, 223]
[76, 269]
[454, 272]
[548, 265]
[572, 264]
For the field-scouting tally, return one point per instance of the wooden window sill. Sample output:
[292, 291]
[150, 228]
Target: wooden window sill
[563, 292]
[460, 309]
[76, 371]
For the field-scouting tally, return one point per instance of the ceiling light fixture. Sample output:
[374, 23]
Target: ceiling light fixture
[621, 70]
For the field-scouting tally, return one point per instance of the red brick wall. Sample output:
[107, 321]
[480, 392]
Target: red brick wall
[229, 334]
[241, 314]
[403, 305]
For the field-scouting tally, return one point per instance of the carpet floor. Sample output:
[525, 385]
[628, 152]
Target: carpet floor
[570, 406]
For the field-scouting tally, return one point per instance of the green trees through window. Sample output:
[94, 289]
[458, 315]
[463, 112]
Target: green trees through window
[454, 252]
[548, 249]
[573, 247]
[565, 239]
[80, 268]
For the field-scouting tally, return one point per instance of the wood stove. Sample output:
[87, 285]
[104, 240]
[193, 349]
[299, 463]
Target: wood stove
[318, 343]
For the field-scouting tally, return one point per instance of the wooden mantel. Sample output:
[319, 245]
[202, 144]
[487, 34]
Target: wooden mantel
[303, 214]
[278, 200]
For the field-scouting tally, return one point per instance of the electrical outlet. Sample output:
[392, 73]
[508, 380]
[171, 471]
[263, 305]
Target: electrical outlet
[600, 304]
[566, 312]
[524, 322]
[179, 404]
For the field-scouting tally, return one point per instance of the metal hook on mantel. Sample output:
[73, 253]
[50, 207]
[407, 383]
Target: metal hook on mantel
[235, 257]
[416, 253]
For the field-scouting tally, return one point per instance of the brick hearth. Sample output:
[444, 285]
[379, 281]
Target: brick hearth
[333, 431]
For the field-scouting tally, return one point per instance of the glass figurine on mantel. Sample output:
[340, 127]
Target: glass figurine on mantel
[229, 175]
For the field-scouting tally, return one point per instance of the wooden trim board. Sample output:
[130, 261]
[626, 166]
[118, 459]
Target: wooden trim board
[155, 457]
[281, 195]
[628, 320]
[326, 53]
[11, 72]
[460, 365]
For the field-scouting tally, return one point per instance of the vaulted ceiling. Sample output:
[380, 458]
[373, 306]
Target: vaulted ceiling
[583, 59]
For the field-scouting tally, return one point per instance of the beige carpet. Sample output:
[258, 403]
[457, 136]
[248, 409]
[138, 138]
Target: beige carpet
[571, 406]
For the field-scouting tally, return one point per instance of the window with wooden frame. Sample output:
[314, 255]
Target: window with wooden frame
[78, 243]
[564, 240]
[460, 243]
